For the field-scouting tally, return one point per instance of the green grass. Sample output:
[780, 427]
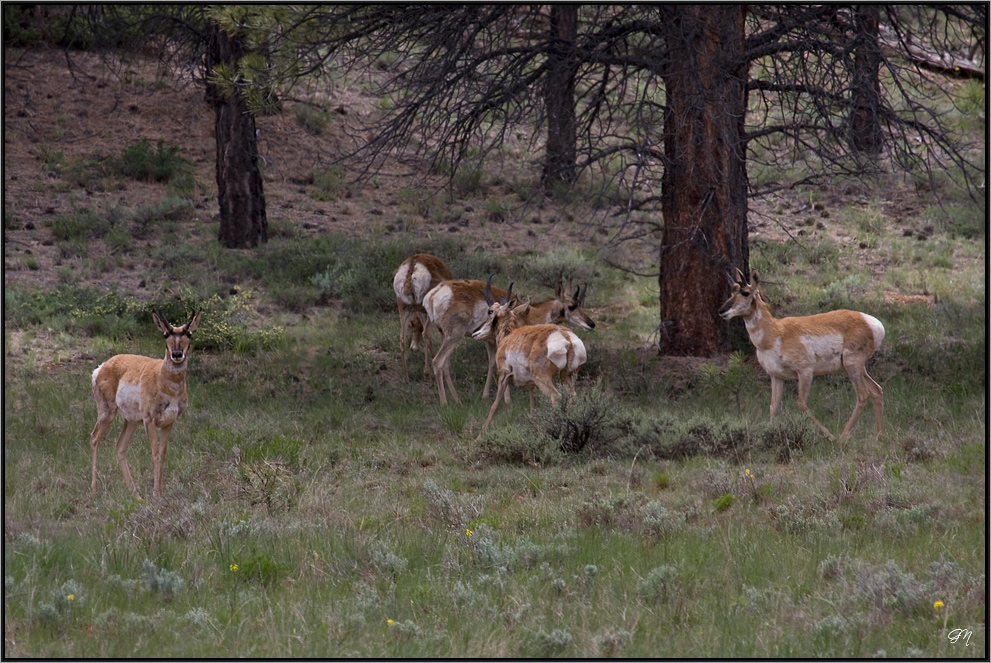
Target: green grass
[318, 504]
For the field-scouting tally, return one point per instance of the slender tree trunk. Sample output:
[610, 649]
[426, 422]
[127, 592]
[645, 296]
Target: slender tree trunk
[559, 161]
[704, 186]
[865, 126]
[243, 222]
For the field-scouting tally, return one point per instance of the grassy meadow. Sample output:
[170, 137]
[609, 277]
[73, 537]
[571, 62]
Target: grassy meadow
[316, 503]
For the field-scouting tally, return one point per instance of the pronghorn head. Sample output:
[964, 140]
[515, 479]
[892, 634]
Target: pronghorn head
[743, 297]
[568, 308]
[498, 311]
[176, 338]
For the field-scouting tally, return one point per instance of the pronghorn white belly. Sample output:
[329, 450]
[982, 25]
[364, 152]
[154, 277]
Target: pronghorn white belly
[826, 352]
[129, 400]
[773, 363]
[517, 364]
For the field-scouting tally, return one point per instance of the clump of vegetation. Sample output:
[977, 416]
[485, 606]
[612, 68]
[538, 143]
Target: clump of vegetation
[162, 163]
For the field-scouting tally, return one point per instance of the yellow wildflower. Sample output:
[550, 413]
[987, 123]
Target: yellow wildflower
[71, 597]
[468, 532]
[389, 622]
[233, 567]
[938, 604]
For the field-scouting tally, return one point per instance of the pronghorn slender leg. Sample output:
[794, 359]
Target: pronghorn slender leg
[428, 347]
[442, 371]
[804, 385]
[125, 439]
[158, 457]
[403, 323]
[777, 389]
[99, 430]
[877, 397]
[490, 351]
[503, 387]
[546, 385]
[865, 388]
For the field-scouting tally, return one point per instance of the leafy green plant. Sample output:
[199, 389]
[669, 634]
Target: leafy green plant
[162, 163]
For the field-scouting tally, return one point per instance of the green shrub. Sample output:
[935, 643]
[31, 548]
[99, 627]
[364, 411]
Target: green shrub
[163, 163]
[517, 443]
[560, 265]
[80, 225]
[312, 119]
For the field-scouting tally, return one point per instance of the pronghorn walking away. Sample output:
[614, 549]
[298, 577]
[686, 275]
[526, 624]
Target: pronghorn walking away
[458, 308]
[530, 355]
[146, 391]
[802, 347]
[416, 276]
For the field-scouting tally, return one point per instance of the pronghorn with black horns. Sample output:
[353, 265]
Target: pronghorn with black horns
[146, 391]
[529, 355]
[799, 348]
[459, 307]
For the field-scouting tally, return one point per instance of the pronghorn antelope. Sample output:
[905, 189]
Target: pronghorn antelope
[530, 355]
[416, 276]
[802, 347]
[458, 308]
[146, 391]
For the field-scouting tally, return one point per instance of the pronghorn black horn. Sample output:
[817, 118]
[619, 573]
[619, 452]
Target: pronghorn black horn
[509, 295]
[489, 299]
[580, 298]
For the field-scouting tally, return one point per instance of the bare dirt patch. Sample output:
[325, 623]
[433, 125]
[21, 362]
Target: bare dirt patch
[55, 114]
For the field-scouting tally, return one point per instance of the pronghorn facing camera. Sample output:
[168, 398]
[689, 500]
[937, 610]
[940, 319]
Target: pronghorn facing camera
[529, 355]
[146, 391]
[416, 276]
[802, 347]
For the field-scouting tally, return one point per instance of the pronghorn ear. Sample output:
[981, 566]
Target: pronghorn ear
[193, 323]
[160, 322]
[754, 278]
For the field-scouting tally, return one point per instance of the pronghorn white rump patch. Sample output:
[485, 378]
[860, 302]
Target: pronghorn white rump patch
[558, 344]
[437, 301]
[96, 371]
[419, 282]
[877, 329]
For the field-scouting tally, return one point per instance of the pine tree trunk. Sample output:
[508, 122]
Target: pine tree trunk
[704, 186]
[243, 223]
[865, 126]
[559, 160]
